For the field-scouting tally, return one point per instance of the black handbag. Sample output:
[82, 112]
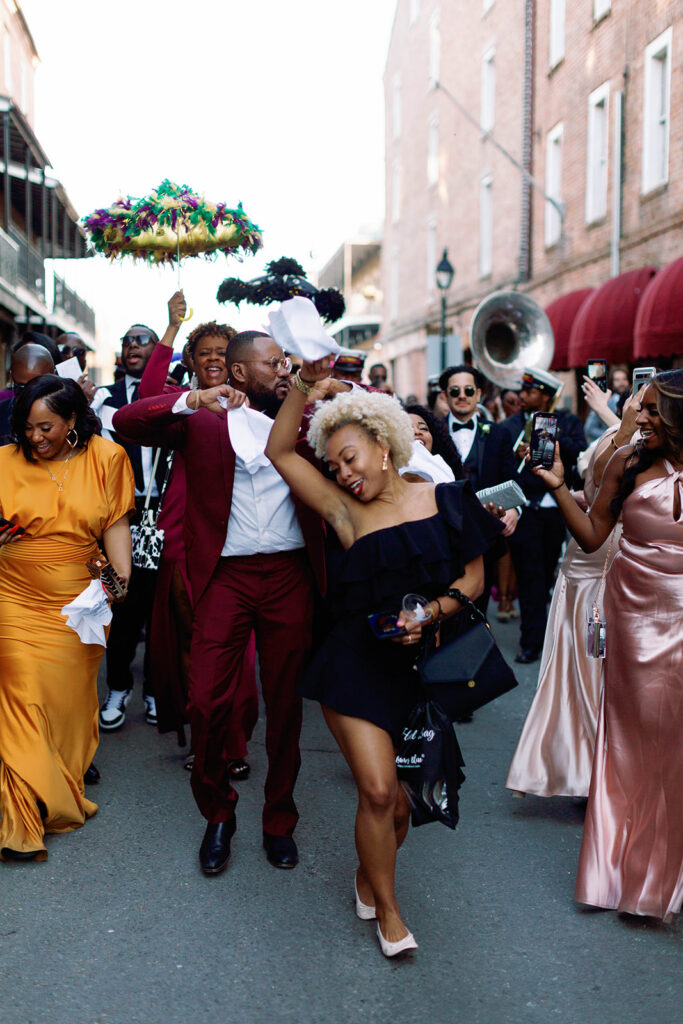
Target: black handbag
[468, 671]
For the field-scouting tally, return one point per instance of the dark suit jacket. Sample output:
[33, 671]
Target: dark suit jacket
[117, 400]
[490, 460]
[210, 467]
[6, 406]
[572, 442]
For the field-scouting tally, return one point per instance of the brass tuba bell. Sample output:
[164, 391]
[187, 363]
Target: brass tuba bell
[510, 331]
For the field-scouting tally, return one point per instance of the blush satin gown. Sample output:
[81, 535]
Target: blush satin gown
[554, 754]
[632, 851]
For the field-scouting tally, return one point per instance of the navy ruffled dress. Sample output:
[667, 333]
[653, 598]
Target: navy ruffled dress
[354, 672]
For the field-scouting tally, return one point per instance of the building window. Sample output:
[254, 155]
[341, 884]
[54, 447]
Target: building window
[396, 190]
[393, 298]
[656, 112]
[414, 11]
[601, 8]
[596, 155]
[556, 32]
[488, 90]
[434, 48]
[485, 226]
[7, 57]
[553, 184]
[396, 106]
[431, 255]
[433, 151]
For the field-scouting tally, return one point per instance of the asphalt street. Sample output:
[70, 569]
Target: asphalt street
[119, 926]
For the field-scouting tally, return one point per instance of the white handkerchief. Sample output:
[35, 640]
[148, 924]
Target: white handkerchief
[70, 369]
[297, 328]
[249, 432]
[88, 614]
[429, 467]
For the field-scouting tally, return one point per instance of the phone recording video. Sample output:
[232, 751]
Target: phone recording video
[596, 370]
[543, 438]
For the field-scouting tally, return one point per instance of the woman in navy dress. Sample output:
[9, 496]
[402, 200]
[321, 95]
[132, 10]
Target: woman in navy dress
[395, 537]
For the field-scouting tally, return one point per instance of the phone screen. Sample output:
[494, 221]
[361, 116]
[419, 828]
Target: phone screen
[543, 437]
[383, 625]
[596, 370]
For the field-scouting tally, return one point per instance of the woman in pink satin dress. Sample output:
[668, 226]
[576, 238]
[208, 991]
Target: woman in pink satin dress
[554, 754]
[632, 851]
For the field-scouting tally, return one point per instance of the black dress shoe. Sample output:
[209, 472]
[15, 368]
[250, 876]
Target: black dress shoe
[214, 853]
[92, 775]
[239, 770]
[281, 851]
[9, 854]
[527, 655]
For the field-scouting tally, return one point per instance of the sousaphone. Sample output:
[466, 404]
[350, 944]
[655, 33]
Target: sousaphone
[510, 331]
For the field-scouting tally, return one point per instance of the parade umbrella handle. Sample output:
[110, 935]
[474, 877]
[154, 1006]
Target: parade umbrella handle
[183, 319]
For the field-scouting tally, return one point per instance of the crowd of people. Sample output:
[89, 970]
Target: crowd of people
[295, 502]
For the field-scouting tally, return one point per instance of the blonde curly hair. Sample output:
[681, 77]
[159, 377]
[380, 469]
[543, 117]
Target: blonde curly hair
[380, 416]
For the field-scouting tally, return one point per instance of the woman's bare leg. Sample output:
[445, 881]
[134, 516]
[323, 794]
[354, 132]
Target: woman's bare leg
[382, 816]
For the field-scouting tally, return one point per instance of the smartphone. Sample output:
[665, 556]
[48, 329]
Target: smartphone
[13, 528]
[543, 438]
[383, 625]
[596, 370]
[641, 375]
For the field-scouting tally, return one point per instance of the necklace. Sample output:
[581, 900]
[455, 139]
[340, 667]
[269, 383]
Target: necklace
[60, 483]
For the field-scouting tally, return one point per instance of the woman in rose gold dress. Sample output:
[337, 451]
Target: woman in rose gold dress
[554, 754]
[632, 851]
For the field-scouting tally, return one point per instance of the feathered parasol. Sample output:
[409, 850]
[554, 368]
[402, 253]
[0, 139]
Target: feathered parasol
[284, 278]
[171, 222]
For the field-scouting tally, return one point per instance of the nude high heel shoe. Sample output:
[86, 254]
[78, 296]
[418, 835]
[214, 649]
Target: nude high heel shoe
[394, 948]
[363, 911]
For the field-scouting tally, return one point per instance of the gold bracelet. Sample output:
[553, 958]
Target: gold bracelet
[614, 443]
[301, 384]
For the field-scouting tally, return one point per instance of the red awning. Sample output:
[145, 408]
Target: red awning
[562, 313]
[659, 323]
[603, 327]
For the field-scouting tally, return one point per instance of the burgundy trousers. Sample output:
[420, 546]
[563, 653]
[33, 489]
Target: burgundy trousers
[271, 595]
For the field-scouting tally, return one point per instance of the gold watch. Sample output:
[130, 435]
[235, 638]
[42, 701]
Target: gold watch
[301, 384]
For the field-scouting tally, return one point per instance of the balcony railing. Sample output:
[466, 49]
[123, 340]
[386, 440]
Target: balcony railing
[9, 259]
[30, 269]
[70, 302]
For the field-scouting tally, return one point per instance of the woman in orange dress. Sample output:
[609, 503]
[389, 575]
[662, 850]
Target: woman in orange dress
[72, 492]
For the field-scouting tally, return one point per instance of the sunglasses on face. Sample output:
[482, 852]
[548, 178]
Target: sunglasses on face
[276, 363]
[136, 339]
[468, 390]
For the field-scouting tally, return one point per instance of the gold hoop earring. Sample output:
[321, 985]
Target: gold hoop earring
[385, 462]
[72, 438]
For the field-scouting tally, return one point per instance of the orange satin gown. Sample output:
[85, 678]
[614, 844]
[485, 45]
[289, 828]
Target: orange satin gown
[48, 678]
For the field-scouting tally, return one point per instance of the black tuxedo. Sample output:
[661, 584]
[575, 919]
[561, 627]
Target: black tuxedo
[537, 542]
[136, 611]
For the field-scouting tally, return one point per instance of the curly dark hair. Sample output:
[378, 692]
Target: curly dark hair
[64, 398]
[668, 389]
[442, 442]
[478, 378]
[209, 329]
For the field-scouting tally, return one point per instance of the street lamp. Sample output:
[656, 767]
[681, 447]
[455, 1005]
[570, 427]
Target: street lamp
[445, 273]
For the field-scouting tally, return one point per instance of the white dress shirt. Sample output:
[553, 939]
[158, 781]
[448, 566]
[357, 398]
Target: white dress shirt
[462, 439]
[263, 518]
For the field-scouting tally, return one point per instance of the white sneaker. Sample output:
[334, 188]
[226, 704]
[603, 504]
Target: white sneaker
[150, 709]
[113, 711]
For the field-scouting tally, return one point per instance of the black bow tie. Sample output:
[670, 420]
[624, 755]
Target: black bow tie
[469, 425]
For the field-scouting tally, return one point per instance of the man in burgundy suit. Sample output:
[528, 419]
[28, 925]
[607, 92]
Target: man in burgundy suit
[250, 554]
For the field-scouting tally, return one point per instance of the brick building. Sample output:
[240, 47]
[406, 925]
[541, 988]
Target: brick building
[37, 218]
[587, 97]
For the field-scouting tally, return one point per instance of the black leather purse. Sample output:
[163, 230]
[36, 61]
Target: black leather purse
[468, 671]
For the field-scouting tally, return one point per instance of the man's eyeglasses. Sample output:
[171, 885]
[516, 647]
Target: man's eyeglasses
[136, 339]
[469, 390]
[276, 363]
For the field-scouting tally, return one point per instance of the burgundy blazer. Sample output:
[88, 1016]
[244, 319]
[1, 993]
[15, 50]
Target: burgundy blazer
[210, 470]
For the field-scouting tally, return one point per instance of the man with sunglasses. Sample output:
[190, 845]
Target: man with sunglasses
[251, 552]
[133, 615]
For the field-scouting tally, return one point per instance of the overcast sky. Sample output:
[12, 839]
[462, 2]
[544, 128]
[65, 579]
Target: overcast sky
[275, 104]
